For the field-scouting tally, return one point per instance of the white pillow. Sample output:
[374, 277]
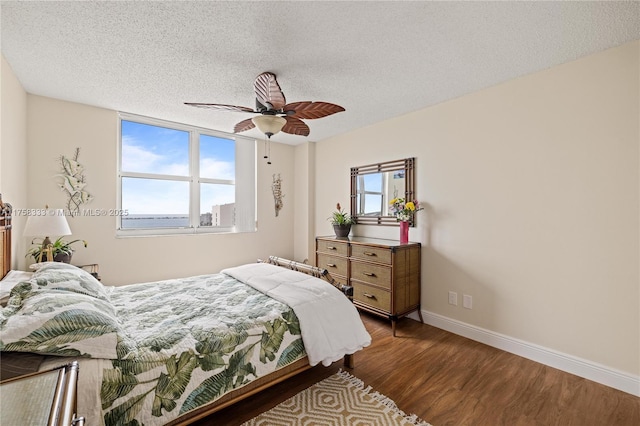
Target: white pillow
[9, 281]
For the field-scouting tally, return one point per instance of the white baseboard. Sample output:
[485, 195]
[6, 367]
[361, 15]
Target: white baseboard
[580, 367]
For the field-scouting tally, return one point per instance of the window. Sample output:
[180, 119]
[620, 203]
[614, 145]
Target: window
[175, 178]
[370, 198]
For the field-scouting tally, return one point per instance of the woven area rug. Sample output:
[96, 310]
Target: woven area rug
[340, 400]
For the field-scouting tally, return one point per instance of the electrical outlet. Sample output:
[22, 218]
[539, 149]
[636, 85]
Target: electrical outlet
[453, 298]
[467, 301]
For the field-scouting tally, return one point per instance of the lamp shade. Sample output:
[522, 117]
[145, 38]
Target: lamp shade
[54, 223]
[269, 124]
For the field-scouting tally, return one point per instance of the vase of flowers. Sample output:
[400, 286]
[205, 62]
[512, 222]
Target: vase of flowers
[404, 211]
[341, 221]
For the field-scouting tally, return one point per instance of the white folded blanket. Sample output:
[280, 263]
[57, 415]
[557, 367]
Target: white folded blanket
[330, 324]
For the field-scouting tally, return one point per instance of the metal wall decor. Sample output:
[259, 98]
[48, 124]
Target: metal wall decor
[276, 187]
[73, 183]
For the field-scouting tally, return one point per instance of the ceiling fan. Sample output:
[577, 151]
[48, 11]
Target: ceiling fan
[275, 113]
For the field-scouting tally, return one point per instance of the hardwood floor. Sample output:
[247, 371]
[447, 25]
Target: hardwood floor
[446, 379]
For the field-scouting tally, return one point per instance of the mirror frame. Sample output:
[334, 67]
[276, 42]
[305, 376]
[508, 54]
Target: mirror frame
[408, 165]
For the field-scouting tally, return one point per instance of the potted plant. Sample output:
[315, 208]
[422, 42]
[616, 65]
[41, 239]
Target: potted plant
[60, 249]
[341, 222]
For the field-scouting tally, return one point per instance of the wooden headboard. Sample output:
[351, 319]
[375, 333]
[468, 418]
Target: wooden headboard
[5, 234]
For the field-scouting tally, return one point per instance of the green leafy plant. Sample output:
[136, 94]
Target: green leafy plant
[59, 246]
[340, 217]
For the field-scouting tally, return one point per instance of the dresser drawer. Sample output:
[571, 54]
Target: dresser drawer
[371, 254]
[372, 296]
[333, 247]
[383, 275]
[333, 264]
[371, 273]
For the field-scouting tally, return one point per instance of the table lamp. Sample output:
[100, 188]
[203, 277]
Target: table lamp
[53, 223]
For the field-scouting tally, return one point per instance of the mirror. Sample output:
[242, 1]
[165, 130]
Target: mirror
[374, 185]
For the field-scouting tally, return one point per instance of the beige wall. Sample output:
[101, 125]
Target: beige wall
[57, 127]
[532, 196]
[13, 149]
[303, 235]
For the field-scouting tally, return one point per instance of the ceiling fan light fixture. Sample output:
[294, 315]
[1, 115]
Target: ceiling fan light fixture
[269, 124]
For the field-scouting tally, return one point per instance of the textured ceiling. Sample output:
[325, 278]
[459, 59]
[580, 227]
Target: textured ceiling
[376, 59]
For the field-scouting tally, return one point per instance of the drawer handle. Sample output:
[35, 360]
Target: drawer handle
[331, 248]
[369, 274]
[370, 296]
[331, 265]
[367, 253]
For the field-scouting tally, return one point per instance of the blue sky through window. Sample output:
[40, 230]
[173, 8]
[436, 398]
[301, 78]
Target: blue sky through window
[373, 202]
[155, 196]
[217, 158]
[217, 161]
[154, 149]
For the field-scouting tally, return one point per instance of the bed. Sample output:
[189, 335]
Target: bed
[174, 351]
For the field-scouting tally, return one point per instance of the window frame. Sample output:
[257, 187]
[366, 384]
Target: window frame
[245, 148]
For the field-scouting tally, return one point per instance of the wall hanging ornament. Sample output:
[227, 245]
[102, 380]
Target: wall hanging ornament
[276, 187]
[73, 183]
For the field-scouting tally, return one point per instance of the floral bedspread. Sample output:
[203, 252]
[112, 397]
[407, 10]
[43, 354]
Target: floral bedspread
[170, 346]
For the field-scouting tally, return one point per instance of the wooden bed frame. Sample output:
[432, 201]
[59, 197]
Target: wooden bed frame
[5, 233]
[232, 397]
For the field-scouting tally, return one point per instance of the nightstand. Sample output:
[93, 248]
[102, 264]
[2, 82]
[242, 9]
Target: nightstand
[43, 398]
[93, 269]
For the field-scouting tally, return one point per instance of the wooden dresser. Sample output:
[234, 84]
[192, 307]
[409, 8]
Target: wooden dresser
[384, 274]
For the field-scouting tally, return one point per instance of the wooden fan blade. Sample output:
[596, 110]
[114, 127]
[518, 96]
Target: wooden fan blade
[308, 109]
[244, 125]
[268, 90]
[295, 126]
[221, 107]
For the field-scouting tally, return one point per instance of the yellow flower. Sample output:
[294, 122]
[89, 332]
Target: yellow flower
[393, 201]
[410, 206]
